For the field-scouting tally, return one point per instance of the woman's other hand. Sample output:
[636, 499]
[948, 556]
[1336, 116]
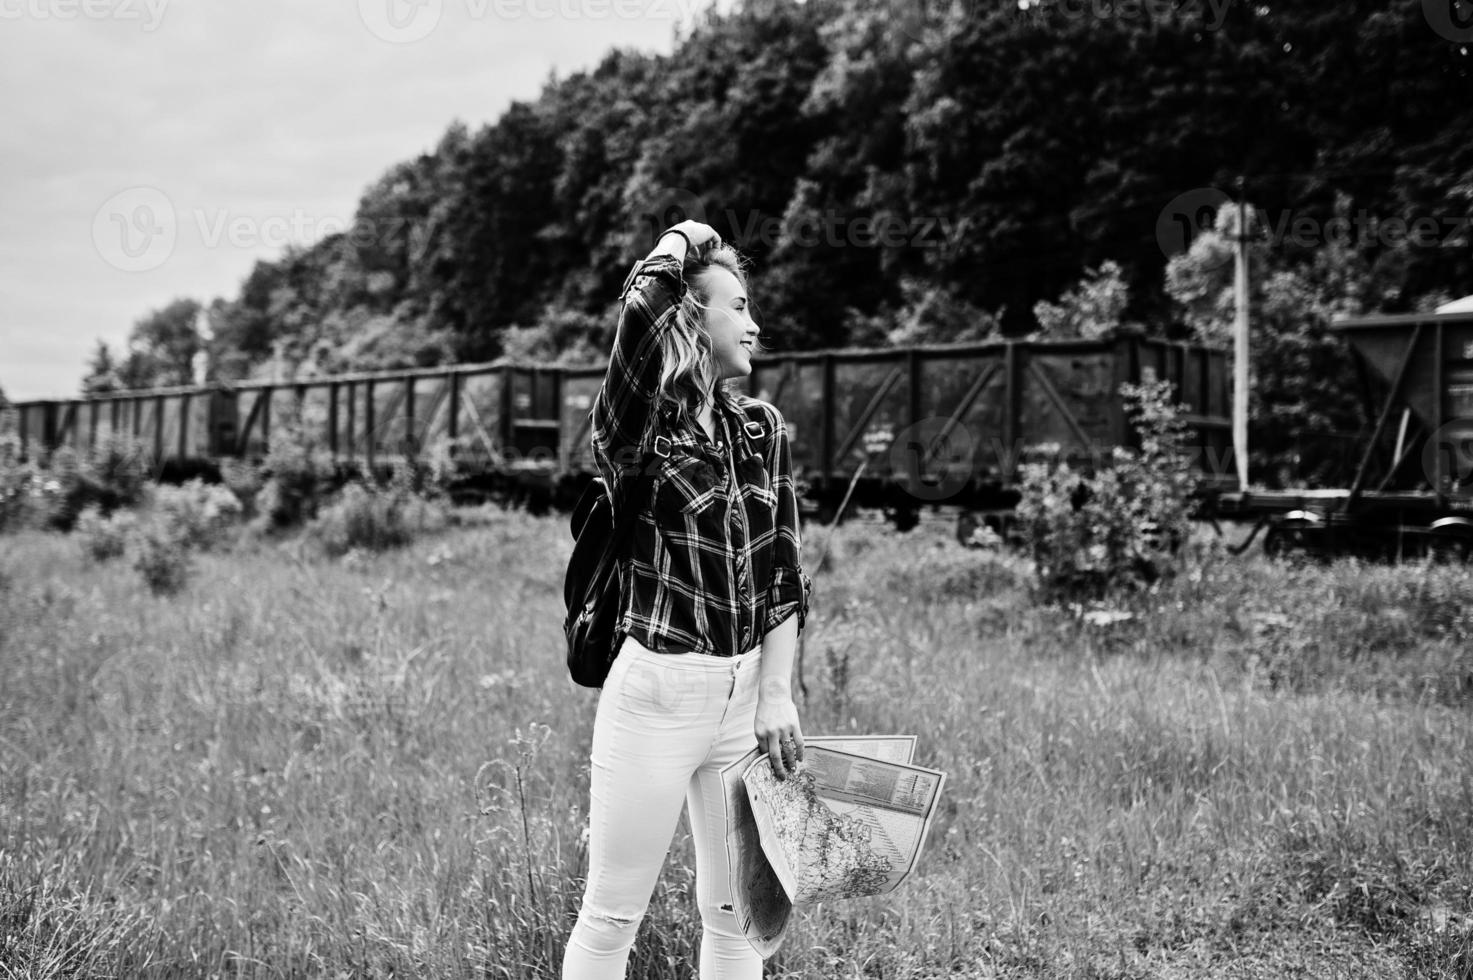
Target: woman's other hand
[777, 729]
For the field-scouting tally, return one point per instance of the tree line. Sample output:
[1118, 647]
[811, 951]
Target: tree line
[911, 171]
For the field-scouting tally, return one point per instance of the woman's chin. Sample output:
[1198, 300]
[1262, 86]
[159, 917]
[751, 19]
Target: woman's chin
[741, 369]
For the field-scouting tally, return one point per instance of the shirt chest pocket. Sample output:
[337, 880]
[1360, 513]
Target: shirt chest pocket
[689, 485]
[757, 486]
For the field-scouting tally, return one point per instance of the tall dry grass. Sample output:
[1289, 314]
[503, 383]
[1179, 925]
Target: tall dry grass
[377, 767]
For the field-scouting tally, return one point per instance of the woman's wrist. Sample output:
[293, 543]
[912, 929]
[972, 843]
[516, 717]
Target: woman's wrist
[673, 242]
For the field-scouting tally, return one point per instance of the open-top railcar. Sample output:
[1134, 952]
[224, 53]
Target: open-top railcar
[1412, 493]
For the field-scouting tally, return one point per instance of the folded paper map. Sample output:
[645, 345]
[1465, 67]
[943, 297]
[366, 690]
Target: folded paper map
[850, 823]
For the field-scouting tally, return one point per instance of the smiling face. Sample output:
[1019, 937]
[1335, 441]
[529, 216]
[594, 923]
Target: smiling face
[729, 323]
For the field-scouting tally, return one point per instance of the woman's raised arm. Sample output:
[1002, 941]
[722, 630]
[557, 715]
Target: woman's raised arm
[626, 400]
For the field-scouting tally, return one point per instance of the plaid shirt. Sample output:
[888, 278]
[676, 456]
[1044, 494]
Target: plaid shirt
[715, 562]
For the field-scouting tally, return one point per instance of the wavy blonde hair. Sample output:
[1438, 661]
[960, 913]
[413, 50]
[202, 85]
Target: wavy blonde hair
[688, 372]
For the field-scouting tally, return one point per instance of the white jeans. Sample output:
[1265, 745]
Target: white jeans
[666, 724]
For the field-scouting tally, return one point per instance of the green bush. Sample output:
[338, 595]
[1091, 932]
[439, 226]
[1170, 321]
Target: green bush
[162, 558]
[370, 518]
[1119, 527]
[116, 472]
[104, 538]
[300, 477]
[201, 513]
[20, 486]
[53, 493]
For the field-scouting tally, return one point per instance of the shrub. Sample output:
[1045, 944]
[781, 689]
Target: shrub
[20, 486]
[104, 538]
[362, 517]
[161, 558]
[112, 475]
[375, 519]
[200, 513]
[299, 477]
[1119, 527]
[116, 472]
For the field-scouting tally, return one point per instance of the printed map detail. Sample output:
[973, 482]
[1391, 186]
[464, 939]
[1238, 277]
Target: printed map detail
[824, 854]
[849, 823]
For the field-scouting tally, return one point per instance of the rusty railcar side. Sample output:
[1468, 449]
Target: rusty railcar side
[950, 423]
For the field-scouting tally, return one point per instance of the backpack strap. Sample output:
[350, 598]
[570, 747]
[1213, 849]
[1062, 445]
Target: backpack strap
[637, 496]
[756, 428]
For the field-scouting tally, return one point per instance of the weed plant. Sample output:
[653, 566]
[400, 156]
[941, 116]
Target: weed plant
[104, 538]
[1119, 525]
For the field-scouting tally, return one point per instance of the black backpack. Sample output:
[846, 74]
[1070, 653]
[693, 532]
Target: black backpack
[591, 583]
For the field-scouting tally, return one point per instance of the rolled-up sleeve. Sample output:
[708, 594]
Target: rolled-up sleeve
[626, 399]
[788, 589]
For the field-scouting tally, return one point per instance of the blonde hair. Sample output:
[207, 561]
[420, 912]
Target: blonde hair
[688, 372]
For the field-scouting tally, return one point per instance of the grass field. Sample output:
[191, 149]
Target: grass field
[377, 767]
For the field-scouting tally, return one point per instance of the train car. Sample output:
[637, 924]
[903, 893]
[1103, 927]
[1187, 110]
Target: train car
[1412, 493]
[907, 428]
[898, 428]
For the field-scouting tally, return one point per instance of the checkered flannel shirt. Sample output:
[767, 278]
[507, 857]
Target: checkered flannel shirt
[714, 561]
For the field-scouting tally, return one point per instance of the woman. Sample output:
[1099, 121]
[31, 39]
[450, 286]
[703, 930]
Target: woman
[714, 597]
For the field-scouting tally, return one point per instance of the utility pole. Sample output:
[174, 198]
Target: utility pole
[1240, 342]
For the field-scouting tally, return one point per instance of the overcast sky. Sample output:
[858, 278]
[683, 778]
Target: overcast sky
[154, 149]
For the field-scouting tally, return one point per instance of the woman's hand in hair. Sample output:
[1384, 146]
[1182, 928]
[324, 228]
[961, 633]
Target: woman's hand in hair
[699, 236]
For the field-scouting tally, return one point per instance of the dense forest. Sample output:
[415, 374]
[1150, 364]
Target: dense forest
[914, 170]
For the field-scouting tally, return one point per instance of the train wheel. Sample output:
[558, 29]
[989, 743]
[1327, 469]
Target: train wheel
[966, 527]
[1281, 541]
[1302, 542]
[904, 518]
[1454, 546]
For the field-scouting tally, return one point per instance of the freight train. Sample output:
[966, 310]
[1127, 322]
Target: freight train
[897, 429]
[1412, 492]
